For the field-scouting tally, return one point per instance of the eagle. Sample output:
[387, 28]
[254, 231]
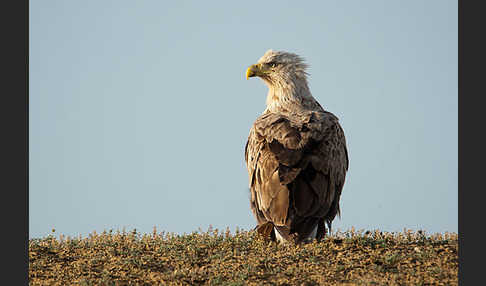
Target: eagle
[295, 154]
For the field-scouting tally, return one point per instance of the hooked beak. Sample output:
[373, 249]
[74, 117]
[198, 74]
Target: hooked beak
[255, 70]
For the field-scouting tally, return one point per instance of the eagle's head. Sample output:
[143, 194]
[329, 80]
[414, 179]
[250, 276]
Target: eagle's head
[286, 77]
[277, 67]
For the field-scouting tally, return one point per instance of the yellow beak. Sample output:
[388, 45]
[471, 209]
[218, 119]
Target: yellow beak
[254, 70]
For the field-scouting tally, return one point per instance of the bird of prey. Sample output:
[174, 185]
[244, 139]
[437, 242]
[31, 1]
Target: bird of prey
[296, 155]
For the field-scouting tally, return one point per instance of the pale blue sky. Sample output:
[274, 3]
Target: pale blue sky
[140, 111]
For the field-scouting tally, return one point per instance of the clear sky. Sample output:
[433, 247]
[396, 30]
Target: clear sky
[140, 111]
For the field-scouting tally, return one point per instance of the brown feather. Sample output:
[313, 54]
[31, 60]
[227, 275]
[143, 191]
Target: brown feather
[297, 160]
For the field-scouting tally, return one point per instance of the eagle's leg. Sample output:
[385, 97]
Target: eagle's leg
[265, 230]
[310, 237]
[321, 230]
[272, 232]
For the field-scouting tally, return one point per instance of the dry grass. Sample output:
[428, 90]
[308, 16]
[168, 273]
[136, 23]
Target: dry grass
[243, 258]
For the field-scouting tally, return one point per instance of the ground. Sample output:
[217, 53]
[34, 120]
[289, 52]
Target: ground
[243, 258]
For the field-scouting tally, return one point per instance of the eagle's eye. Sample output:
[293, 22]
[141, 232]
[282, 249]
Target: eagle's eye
[272, 64]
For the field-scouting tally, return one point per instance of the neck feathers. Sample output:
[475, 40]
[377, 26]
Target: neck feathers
[291, 94]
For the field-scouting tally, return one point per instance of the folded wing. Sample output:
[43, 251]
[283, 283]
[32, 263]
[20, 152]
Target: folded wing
[297, 165]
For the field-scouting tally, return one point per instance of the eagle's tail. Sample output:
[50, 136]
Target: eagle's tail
[282, 234]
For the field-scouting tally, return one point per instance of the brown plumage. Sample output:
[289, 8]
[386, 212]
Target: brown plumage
[295, 154]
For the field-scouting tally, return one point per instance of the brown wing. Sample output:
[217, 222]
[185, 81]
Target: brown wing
[296, 165]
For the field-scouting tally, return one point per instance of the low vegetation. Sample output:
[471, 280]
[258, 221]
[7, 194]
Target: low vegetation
[243, 258]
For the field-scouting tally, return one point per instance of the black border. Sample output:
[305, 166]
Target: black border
[14, 121]
[470, 133]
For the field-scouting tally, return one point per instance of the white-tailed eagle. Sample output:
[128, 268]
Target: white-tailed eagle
[295, 154]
